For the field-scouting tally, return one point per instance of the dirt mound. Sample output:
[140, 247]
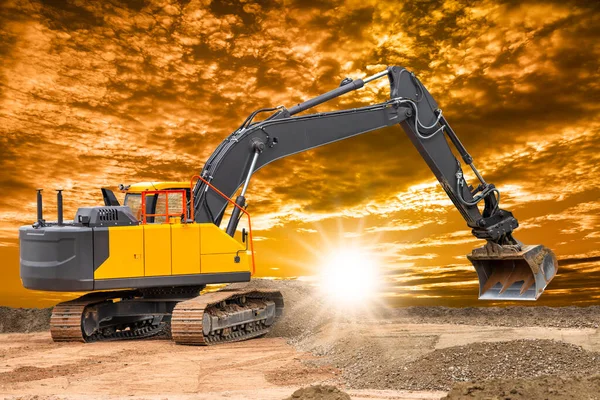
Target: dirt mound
[400, 365]
[24, 319]
[549, 388]
[319, 392]
[439, 369]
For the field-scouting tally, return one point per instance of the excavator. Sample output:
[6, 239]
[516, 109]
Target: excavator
[144, 263]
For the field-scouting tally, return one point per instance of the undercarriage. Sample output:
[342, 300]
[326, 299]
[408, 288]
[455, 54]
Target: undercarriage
[180, 313]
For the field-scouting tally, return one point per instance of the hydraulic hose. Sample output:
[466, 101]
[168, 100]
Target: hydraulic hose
[418, 121]
[477, 198]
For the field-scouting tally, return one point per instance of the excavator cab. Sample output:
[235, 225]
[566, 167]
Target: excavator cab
[155, 203]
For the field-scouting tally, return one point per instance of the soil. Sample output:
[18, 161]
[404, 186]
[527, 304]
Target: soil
[482, 361]
[319, 392]
[33, 368]
[433, 348]
[525, 389]
[24, 319]
[370, 353]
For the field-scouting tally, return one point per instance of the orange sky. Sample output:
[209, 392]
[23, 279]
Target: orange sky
[98, 93]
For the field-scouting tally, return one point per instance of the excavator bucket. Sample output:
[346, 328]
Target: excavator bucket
[507, 273]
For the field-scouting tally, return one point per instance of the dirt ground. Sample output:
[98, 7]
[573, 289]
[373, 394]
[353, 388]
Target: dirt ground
[411, 353]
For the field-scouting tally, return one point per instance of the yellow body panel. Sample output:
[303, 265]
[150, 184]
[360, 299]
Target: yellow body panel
[218, 251]
[213, 263]
[214, 240]
[185, 250]
[126, 253]
[171, 249]
[157, 249]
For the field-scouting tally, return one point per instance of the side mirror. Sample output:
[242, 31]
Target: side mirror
[244, 235]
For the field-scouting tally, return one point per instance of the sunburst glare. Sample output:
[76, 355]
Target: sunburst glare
[349, 277]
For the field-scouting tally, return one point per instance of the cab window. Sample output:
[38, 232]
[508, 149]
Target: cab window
[134, 202]
[175, 203]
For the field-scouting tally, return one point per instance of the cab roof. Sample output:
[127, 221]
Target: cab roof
[142, 186]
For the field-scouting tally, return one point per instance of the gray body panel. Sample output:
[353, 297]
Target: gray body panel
[58, 258]
[105, 216]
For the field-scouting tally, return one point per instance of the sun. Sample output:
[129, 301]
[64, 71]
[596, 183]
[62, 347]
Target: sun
[349, 277]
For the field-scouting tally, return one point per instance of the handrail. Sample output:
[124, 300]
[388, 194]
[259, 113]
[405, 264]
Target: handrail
[167, 215]
[230, 201]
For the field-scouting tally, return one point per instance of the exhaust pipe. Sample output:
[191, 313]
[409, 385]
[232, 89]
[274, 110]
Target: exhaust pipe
[513, 272]
[59, 206]
[40, 217]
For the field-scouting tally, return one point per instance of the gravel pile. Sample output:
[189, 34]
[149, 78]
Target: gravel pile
[375, 366]
[24, 319]
[483, 361]
[319, 392]
[548, 388]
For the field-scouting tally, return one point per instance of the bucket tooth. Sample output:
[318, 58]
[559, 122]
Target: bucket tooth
[527, 282]
[513, 272]
[497, 276]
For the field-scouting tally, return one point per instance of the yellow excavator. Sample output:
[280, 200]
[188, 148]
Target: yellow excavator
[145, 262]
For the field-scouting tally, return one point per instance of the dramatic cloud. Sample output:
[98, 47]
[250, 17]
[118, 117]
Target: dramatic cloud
[96, 93]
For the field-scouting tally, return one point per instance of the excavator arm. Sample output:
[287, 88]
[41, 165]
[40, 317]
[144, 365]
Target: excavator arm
[506, 268]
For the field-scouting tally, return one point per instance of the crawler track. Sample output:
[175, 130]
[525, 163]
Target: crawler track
[66, 318]
[225, 316]
[65, 322]
[212, 318]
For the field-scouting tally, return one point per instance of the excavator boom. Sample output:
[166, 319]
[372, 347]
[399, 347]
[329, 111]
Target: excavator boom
[506, 268]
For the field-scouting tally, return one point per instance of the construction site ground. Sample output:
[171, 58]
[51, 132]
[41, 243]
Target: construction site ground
[408, 353]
